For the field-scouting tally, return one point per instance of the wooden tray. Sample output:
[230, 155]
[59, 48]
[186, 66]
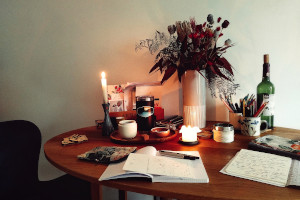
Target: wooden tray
[139, 139]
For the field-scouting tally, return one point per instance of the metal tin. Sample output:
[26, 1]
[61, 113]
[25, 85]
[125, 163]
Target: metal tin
[223, 127]
[223, 132]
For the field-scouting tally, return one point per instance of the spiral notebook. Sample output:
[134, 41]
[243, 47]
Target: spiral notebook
[264, 167]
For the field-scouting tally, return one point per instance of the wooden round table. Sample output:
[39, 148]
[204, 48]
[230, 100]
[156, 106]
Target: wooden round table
[214, 155]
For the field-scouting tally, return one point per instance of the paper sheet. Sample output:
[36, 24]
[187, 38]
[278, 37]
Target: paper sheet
[258, 166]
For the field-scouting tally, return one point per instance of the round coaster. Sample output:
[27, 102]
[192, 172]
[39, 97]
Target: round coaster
[188, 143]
[205, 135]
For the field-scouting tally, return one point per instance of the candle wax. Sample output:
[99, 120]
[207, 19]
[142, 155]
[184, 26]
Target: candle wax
[104, 88]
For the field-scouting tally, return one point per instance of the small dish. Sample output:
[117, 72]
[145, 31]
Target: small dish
[160, 131]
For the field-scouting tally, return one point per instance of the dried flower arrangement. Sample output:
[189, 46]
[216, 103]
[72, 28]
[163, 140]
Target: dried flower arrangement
[191, 46]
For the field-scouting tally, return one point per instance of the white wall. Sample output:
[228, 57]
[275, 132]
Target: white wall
[51, 53]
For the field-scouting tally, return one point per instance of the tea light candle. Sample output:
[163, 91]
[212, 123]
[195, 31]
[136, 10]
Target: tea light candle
[104, 88]
[189, 134]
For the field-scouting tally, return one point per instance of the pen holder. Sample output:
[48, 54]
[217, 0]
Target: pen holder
[107, 127]
[234, 120]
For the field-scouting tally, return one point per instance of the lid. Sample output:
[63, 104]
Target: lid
[144, 98]
[223, 127]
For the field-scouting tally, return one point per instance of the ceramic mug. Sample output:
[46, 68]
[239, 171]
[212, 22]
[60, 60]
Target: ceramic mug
[252, 126]
[234, 119]
[127, 129]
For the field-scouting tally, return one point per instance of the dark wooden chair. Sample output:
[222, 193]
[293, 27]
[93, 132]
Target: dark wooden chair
[20, 144]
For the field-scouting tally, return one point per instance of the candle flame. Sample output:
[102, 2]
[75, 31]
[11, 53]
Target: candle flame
[103, 75]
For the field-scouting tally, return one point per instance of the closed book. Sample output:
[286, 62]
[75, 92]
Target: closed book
[277, 145]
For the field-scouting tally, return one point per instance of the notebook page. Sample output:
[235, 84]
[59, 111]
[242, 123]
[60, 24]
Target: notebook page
[197, 168]
[159, 165]
[167, 166]
[259, 166]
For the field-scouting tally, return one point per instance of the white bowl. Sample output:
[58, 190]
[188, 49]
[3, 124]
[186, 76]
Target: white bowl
[127, 129]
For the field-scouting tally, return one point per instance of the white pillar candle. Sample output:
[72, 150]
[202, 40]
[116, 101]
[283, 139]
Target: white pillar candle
[104, 88]
[189, 134]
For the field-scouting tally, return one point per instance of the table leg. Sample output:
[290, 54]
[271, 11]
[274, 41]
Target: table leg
[96, 191]
[122, 195]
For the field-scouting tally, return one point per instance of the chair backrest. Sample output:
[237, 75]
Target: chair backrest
[20, 144]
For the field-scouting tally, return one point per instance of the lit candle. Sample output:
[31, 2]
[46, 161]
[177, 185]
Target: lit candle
[189, 134]
[104, 88]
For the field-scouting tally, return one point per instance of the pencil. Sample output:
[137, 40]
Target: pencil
[261, 109]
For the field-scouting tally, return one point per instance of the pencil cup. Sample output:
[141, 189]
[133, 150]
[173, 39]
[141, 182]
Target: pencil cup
[234, 120]
[252, 126]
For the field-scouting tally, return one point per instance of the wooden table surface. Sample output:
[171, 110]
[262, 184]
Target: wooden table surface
[214, 155]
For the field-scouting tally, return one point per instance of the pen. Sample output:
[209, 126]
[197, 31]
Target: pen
[177, 155]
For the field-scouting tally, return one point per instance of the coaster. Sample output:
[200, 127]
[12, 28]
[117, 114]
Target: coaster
[188, 143]
[205, 135]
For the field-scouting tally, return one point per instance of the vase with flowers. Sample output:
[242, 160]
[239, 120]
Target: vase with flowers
[190, 49]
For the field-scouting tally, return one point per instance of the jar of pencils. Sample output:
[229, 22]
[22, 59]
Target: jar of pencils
[234, 119]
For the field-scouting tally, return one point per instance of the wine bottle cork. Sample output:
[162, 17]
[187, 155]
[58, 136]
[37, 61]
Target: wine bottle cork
[266, 58]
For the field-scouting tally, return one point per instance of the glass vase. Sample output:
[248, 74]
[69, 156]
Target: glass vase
[194, 99]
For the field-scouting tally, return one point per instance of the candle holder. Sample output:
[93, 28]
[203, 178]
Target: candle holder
[188, 143]
[107, 127]
[189, 135]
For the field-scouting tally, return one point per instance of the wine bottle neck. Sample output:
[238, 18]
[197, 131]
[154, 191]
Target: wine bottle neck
[266, 71]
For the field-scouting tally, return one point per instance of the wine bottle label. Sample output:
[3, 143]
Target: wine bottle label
[270, 108]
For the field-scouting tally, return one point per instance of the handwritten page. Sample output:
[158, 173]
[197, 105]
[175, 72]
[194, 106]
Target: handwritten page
[258, 166]
[159, 165]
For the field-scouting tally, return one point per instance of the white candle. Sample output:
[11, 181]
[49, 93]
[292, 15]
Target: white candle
[189, 134]
[104, 87]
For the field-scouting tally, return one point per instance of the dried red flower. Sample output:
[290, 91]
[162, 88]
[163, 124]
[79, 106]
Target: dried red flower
[209, 63]
[220, 34]
[225, 24]
[193, 35]
[172, 29]
[219, 19]
[218, 28]
[199, 28]
[193, 23]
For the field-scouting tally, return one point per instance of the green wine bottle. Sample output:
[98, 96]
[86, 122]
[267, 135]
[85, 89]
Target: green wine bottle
[265, 93]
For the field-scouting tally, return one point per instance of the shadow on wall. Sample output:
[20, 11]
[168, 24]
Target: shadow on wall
[172, 103]
[215, 110]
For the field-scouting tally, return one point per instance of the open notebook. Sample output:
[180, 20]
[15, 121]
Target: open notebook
[147, 163]
[264, 167]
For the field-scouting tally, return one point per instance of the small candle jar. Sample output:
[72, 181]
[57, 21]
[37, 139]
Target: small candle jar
[189, 135]
[223, 132]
